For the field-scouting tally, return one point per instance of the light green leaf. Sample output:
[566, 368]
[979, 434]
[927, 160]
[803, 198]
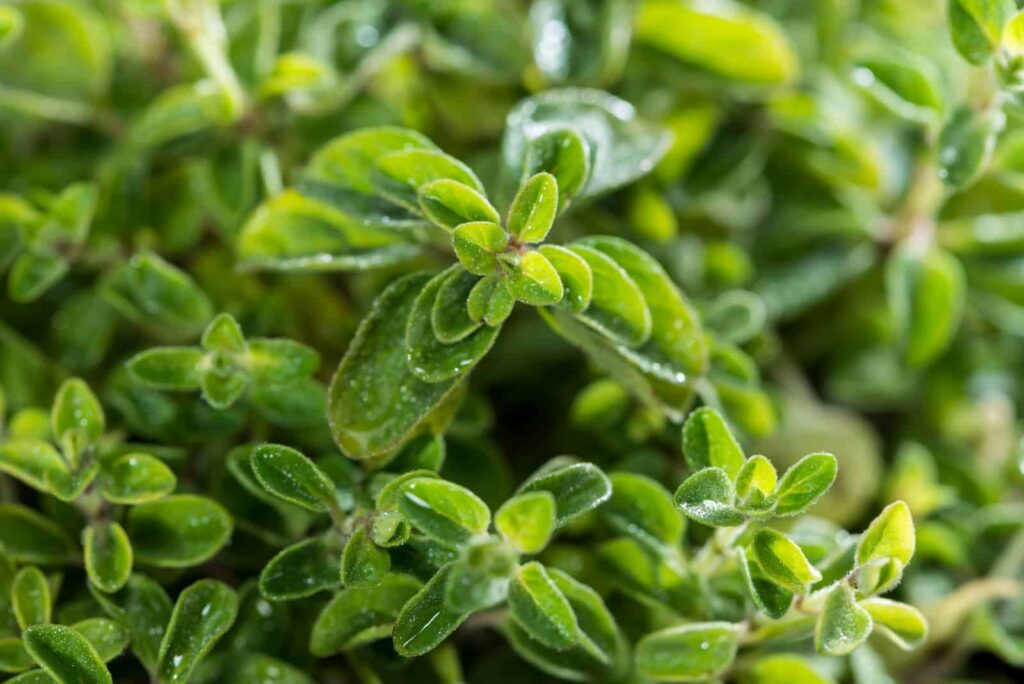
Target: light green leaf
[707, 497]
[727, 39]
[533, 210]
[783, 562]
[425, 620]
[375, 401]
[13, 656]
[399, 175]
[527, 521]
[275, 361]
[444, 511]
[108, 555]
[577, 488]
[178, 531]
[358, 615]
[66, 655]
[533, 280]
[77, 418]
[490, 301]
[541, 609]
[906, 84]
[429, 359]
[976, 26]
[617, 307]
[842, 624]
[33, 273]
[300, 570]
[890, 535]
[688, 653]
[477, 245]
[362, 561]
[449, 203]
[756, 480]
[30, 597]
[223, 334]
[349, 160]
[168, 368]
[1012, 38]
[927, 294]
[805, 482]
[135, 478]
[37, 464]
[903, 624]
[563, 154]
[966, 144]
[202, 615]
[708, 442]
[791, 669]
[576, 276]
[292, 477]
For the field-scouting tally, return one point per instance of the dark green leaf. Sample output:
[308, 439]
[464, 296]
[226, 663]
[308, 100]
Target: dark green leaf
[842, 624]
[708, 442]
[300, 570]
[617, 307]
[577, 488]
[688, 653]
[66, 655]
[358, 615]
[425, 620]
[783, 562]
[202, 615]
[168, 368]
[107, 637]
[641, 508]
[707, 497]
[290, 476]
[805, 482]
[178, 531]
[450, 319]
[541, 609]
[27, 537]
[490, 301]
[362, 561]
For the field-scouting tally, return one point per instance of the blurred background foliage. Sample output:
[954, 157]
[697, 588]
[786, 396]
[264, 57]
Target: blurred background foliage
[843, 201]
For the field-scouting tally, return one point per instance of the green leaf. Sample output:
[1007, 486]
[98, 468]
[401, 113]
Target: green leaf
[577, 488]
[890, 535]
[222, 383]
[805, 482]
[149, 291]
[533, 280]
[27, 537]
[33, 273]
[477, 245]
[358, 615]
[12, 22]
[756, 480]
[966, 144]
[108, 555]
[676, 351]
[480, 577]
[617, 307]
[641, 508]
[490, 301]
[842, 624]
[927, 294]
[426, 620]
[223, 334]
[707, 497]
[906, 84]
[107, 637]
[429, 359]
[449, 203]
[541, 609]
[202, 615]
[533, 210]
[688, 653]
[178, 531]
[767, 56]
[168, 368]
[77, 417]
[66, 655]
[300, 570]
[292, 477]
[619, 146]
[349, 160]
[708, 442]
[316, 230]
[576, 276]
[1011, 39]
[399, 175]
[30, 597]
[135, 478]
[13, 656]
[783, 562]
[449, 318]
[145, 608]
[976, 26]
[375, 401]
[527, 521]
[563, 154]
[362, 561]
[273, 361]
[904, 625]
[37, 464]
[769, 597]
[792, 669]
[444, 511]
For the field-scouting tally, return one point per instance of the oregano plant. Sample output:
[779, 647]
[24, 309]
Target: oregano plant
[619, 341]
